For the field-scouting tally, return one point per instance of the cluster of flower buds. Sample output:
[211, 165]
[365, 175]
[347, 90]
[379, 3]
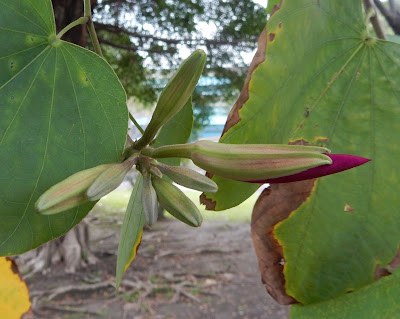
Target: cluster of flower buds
[250, 163]
[87, 185]
[158, 188]
[257, 163]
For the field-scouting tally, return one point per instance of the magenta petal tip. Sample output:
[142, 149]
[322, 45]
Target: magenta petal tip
[340, 162]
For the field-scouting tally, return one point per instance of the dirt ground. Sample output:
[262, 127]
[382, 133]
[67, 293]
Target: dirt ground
[180, 272]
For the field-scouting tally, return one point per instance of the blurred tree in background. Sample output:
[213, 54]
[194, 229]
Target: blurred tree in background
[143, 39]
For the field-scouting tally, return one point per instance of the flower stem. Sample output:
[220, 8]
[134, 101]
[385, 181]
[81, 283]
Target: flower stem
[176, 150]
[136, 123]
[92, 30]
[87, 8]
[95, 40]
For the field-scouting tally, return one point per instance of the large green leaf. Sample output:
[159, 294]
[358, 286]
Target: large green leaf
[131, 231]
[324, 72]
[62, 110]
[379, 301]
[350, 92]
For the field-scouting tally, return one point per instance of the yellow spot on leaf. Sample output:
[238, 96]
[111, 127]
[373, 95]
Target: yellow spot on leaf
[134, 250]
[14, 295]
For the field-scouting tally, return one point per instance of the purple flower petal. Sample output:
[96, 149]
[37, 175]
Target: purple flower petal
[340, 162]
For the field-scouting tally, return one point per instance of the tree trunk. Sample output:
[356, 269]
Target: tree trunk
[71, 249]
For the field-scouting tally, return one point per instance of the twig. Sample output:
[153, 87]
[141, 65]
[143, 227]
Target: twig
[72, 309]
[136, 123]
[368, 6]
[189, 41]
[63, 290]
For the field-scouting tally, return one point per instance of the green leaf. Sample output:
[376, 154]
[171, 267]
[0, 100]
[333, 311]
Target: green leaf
[230, 194]
[330, 84]
[131, 231]
[334, 241]
[176, 131]
[62, 110]
[379, 301]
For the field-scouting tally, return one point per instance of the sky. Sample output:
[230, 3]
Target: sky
[208, 32]
[262, 2]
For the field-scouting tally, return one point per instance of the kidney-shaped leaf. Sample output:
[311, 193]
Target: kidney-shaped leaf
[62, 110]
[326, 81]
[379, 301]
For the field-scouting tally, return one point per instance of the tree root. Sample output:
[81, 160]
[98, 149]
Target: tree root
[179, 285]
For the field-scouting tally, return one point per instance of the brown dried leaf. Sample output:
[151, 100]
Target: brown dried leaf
[258, 58]
[274, 205]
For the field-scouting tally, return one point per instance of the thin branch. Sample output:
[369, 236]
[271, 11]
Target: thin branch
[132, 48]
[382, 8]
[368, 6]
[392, 5]
[115, 29]
[136, 123]
[119, 30]
[91, 28]
[391, 16]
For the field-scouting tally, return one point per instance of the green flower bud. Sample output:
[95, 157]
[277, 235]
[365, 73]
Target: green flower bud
[174, 96]
[70, 192]
[176, 202]
[249, 162]
[65, 205]
[256, 162]
[149, 200]
[110, 179]
[188, 178]
[155, 171]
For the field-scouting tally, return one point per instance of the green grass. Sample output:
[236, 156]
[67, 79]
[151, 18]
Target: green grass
[114, 204]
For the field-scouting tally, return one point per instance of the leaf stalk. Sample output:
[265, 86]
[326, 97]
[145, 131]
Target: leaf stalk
[81, 20]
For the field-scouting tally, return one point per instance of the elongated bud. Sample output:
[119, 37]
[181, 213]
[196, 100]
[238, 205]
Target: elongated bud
[256, 162]
[155, 171]
[65, 205]
[149, 200]
[176, 202]
[188, 178]
[246, 162]
[175, 95]
[110, 179]
[340, 162]
[67, 193]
